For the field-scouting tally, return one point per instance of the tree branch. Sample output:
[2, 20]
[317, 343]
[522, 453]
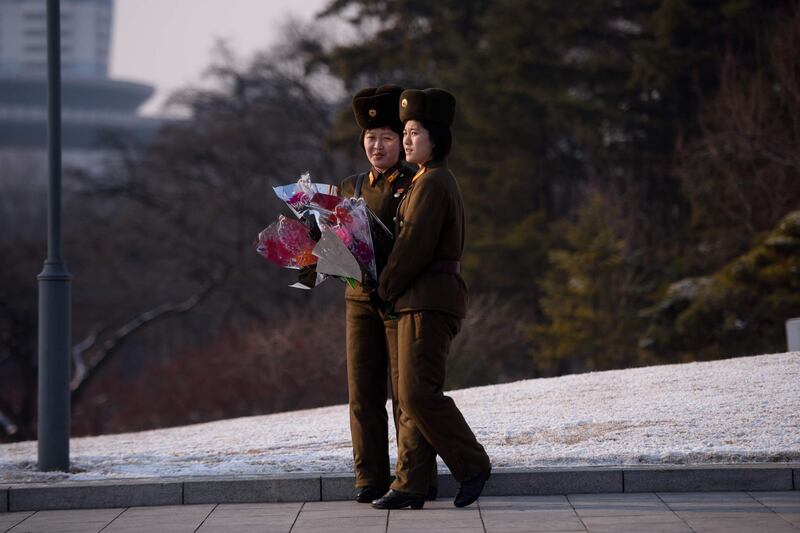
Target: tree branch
[88, 370]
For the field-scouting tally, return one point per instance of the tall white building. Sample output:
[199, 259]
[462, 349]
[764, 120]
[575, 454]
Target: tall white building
[85, 36]
[93, 104]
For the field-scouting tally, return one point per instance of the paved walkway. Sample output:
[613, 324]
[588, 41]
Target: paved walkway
[643, 512]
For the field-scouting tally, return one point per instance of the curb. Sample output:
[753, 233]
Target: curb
[331, 487]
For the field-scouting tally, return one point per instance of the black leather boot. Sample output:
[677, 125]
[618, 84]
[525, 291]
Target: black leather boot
[471, 489]
[394, 499]
[431, 495]
[367, 494]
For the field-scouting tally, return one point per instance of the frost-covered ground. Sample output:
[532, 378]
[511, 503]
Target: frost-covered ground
[730, 411]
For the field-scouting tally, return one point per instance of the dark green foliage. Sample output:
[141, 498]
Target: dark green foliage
[739, 310]
[559, 98]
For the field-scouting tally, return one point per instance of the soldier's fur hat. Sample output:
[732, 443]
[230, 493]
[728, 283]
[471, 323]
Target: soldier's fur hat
[377, 107]
[428, 105]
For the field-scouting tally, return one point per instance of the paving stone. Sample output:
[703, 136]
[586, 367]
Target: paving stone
[733, 522]
[445, 516]
[440, 513]
[8, 520]
[167, 519]
[295, 488]
[725, 511]
[340, 509]
[428, 527]
[517, 521]
[322, 522]
[617, 504]
[783, 499]
[3, 499]
[651, 523]
[338, 527]
[682, 501]
[663, 479]
[363, 510]
[425, 520]
[522, 503]
[93, 495]
[71, 521]
[785, 504]
[553, 481]
[249, 517]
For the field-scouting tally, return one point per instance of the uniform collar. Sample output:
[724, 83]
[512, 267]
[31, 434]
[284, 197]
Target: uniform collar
[422, 169]
[390, 174]
[437, 163]
[428, 165]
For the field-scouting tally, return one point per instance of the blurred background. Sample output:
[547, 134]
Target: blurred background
[631, 173]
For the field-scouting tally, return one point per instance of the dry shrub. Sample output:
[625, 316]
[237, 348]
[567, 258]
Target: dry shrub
[293, 360]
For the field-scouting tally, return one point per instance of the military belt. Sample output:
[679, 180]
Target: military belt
[448, 267]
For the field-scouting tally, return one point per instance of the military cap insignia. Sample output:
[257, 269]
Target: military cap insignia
[377, 107]
[404, 102]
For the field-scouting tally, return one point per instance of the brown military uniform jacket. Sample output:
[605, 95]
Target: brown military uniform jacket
[429, 228]
[382, 194]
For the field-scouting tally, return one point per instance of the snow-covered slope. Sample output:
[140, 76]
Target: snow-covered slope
[736, 410]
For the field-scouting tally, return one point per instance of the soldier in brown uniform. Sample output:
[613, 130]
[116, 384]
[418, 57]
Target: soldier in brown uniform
[421, 282]
[370, 338]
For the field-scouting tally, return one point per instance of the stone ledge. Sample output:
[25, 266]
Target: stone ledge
[504, 482]
[93, 494]
[289, 488]
[708, 478]
[554, 481]
[334, 487]
[328, 487]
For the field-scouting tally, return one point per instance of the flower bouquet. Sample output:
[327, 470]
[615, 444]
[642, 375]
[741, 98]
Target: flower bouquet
[286, 243]
[305, 195]
[334, 231]
[350, 222]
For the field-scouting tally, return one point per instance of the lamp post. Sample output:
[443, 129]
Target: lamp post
[54, 281]
[793, 334]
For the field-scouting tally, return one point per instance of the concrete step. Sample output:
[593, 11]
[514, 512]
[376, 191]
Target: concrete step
[120, 493]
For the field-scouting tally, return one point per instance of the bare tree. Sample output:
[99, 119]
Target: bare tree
[743, 173]
[160, 240]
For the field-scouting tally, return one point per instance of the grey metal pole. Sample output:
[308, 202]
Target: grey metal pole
[54, 281]
[793, 334]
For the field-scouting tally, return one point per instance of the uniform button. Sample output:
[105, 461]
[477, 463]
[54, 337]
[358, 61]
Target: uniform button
[394, 219]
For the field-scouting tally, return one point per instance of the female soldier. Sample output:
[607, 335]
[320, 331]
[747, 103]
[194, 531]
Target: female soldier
[422, 283]
[370, 339]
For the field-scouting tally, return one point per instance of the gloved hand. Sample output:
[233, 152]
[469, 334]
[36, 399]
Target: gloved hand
[386, 309]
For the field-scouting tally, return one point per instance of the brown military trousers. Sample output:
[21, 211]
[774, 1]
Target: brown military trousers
[429, 423]
[371, 347]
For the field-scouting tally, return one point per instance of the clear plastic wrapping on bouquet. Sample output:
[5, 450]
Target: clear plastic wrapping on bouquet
[305, 195]
[286, 243]
[350, 222]
[337, 233]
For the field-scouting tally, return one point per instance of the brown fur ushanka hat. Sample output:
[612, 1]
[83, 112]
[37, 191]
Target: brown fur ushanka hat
[428, 105]
[377, 107]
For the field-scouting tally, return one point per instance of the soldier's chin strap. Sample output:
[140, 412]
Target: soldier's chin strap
[359, 183]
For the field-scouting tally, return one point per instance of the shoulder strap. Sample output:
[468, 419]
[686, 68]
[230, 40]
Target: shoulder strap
[359, 183]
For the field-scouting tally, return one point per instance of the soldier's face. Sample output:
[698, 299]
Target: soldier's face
[417, 142]
[382, 146]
